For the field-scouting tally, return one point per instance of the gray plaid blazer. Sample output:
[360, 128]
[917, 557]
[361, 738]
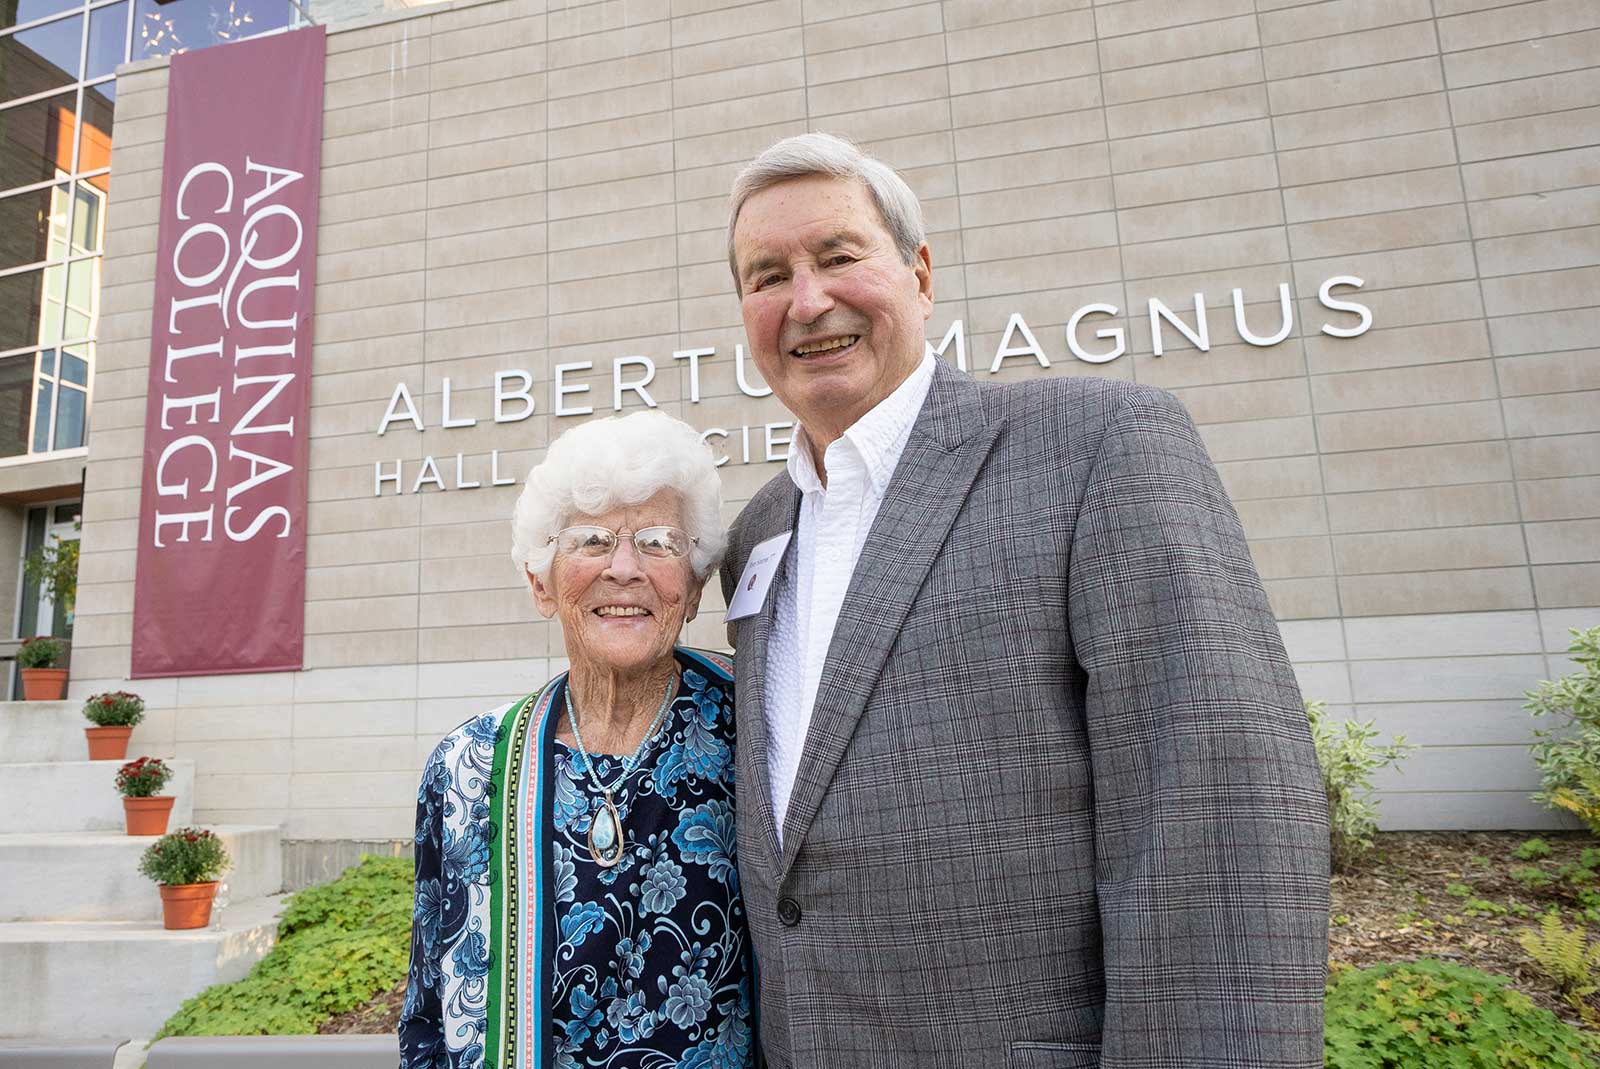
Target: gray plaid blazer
[1058, 804]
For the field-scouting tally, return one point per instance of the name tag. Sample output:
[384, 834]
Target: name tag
[757, 577]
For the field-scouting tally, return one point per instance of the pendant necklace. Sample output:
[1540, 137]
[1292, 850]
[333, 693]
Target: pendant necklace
[606, 843]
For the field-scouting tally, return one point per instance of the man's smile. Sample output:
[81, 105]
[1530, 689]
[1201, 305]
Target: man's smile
[843, 341]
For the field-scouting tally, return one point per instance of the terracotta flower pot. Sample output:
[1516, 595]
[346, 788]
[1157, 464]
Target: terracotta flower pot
[187, 905]
[148, 816]
[108, 744]
[44, 684]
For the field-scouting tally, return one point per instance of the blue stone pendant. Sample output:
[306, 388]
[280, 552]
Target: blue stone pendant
[605, 835]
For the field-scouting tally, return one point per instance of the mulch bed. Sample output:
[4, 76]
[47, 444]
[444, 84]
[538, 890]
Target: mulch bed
[1448, 895]
[1452, 896]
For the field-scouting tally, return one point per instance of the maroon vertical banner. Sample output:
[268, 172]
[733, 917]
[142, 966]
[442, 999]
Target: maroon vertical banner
[221, 574]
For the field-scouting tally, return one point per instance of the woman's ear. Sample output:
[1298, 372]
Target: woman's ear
[692, 601]
[544, 595]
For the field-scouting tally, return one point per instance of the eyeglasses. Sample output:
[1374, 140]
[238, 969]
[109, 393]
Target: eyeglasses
[597, 543]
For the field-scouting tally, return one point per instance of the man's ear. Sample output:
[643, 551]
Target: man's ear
[923, 268]
[544, 595]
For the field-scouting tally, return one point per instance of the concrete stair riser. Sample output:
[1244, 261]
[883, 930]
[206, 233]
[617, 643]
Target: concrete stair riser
[42, 731]
[93, 980]
[95, 877]
[68, 796]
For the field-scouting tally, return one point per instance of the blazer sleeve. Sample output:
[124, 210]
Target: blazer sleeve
[1211, 825]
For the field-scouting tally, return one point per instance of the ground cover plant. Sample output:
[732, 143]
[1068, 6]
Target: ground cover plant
[1470, 898]
[339, 944]
[1433, 1013]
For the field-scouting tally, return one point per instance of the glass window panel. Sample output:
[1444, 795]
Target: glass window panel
[41, 417]
[47, 362]
[68, 513]
[108, 39]
[21, 309]
[24, 228]
[16, 12]
[95, 151]
[42, 58]
[55, 287]
[74, 368]
[36, 140]
[166, 29]
[81, 276]
[86, 219]
[60, 207]
[70, 405]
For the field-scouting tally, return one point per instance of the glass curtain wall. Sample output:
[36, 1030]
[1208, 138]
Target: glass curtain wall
[57, 101]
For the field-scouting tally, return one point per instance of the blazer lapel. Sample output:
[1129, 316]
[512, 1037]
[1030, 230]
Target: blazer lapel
[750, 674]
[947, 446]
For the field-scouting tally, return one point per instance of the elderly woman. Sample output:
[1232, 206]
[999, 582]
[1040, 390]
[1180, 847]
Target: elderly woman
[577, 902]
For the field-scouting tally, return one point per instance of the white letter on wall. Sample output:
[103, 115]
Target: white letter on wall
[1284, 310]
[1200, 336]
[401, 397]
[1325, 296]
[637, 386]
[739, 375]
[1104, 332]
[957, 333]
[502, 395]
[1016, 325]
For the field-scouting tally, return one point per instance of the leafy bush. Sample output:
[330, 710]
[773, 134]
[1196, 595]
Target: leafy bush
[1568, 755]
[1426, 1014]
[188, 855]
[55, 569]
[40, 651]
[115, 709]
[142, 778]
[1348, 759]
[339, 944]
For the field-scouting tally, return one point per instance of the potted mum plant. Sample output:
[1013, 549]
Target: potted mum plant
[43, 678]
[113, 715]
[186, 863]
[146, 811]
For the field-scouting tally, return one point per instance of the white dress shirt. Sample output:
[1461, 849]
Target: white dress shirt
[833, 526]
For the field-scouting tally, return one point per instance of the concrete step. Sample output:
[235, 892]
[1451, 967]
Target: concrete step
[79, 796]
[121, 978]
[94, 876]
[31, 732]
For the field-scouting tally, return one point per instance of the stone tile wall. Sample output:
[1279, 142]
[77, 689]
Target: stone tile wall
[521, 185]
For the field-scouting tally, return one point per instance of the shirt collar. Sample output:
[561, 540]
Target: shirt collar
[878, 438]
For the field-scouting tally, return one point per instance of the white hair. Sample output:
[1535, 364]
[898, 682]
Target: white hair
[816, 153]
[622, 460]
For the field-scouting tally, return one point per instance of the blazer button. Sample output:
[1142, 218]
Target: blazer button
[788, 912]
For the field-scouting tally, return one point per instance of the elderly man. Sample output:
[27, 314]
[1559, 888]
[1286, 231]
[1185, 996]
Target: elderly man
[1024, 774]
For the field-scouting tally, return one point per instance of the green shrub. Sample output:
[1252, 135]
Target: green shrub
[1427, 1014]
[1348, 759]
[1568, 755]
[339, 944]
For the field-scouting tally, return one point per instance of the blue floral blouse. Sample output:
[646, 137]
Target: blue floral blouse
[645, 965]
[652, 955]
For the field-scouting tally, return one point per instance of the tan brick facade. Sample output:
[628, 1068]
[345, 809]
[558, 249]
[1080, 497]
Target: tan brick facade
[506, 187]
